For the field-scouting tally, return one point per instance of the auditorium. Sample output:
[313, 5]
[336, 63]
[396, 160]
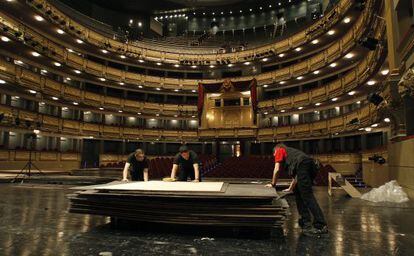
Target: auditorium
[206, 127]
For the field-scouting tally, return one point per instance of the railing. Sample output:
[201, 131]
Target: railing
[161, 52]
[311, 64]
[55, 125]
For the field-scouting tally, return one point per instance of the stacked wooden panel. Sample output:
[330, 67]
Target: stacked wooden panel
[235, 205]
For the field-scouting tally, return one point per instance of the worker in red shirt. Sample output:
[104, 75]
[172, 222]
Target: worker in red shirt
[302, 168]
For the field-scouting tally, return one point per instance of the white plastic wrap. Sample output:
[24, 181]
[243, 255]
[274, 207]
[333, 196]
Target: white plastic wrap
[389, 192]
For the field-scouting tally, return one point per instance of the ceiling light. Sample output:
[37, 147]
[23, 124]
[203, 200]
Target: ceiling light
[2, 81]
[265, 85]
[176, 65]
[157, 114]
[69, 50]
[347, 20]
[247, 63]
[334, 99]
[121, 83]
[60, 31]
[300, 108]
[368, 129]
[139, 113]
[77, 71]
[385, 72]
[55, 98]
[281, 55]
[142, 61]
[193, 90]
[315, 41]
[332, 65]
[299, 77]
[241, 11]
[64, 108]
[361, 129]
[371, 82]
[139, 86]
[318, 104]
[265, 113]
[374, 125]
[79, 41]
[159, 63]
[265, 59]
[331, 32]
[158, 89]
[176, 90]
[211, 66]
[358, 102]
[283, 111]
[387, 120]
[260, 7]
[75, 103]
[35, 54]
[32, 91]
[194, 66]
[349, 55]
[19, 62]
[104, 51]
[316, 72]
[122, 56]
[298, 49]
[250, 9]
[68, 78]
[282, 82]
[351, 93]
[38, 18]
[230, 65]
[43, 71]
[101, 108]
[5, 39]
[57, 64]
[102, 79]
[120, 111]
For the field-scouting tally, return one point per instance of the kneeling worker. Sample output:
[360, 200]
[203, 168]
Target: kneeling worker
[139, 164]
[187, 161]
[303, 169]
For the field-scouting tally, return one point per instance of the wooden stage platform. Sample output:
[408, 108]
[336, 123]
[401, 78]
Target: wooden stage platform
[215, 204]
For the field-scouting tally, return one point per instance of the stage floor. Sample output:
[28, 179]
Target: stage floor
[34, 221]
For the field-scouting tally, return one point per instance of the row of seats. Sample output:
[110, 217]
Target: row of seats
[260, 167]
[161, 166]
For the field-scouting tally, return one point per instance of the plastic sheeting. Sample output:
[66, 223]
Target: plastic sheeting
[389, 192]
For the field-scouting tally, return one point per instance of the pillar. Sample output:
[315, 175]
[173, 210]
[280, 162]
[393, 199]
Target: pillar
[392, 35]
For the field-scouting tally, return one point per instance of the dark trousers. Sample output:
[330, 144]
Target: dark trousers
[305, 200]
[184, 174]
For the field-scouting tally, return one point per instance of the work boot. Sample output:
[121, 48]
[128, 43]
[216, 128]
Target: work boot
[316, 231]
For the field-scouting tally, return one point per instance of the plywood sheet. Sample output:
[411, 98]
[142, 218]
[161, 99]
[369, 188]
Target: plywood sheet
[166, 186]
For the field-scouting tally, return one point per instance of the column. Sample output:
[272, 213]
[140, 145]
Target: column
[342, 144]
[363, 142]
[392, 35]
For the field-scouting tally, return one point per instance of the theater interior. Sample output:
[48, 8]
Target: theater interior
[85, 83]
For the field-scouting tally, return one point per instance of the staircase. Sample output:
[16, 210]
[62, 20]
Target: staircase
[356, 181]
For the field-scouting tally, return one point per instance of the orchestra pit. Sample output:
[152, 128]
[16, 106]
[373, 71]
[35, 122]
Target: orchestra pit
[206, 127]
